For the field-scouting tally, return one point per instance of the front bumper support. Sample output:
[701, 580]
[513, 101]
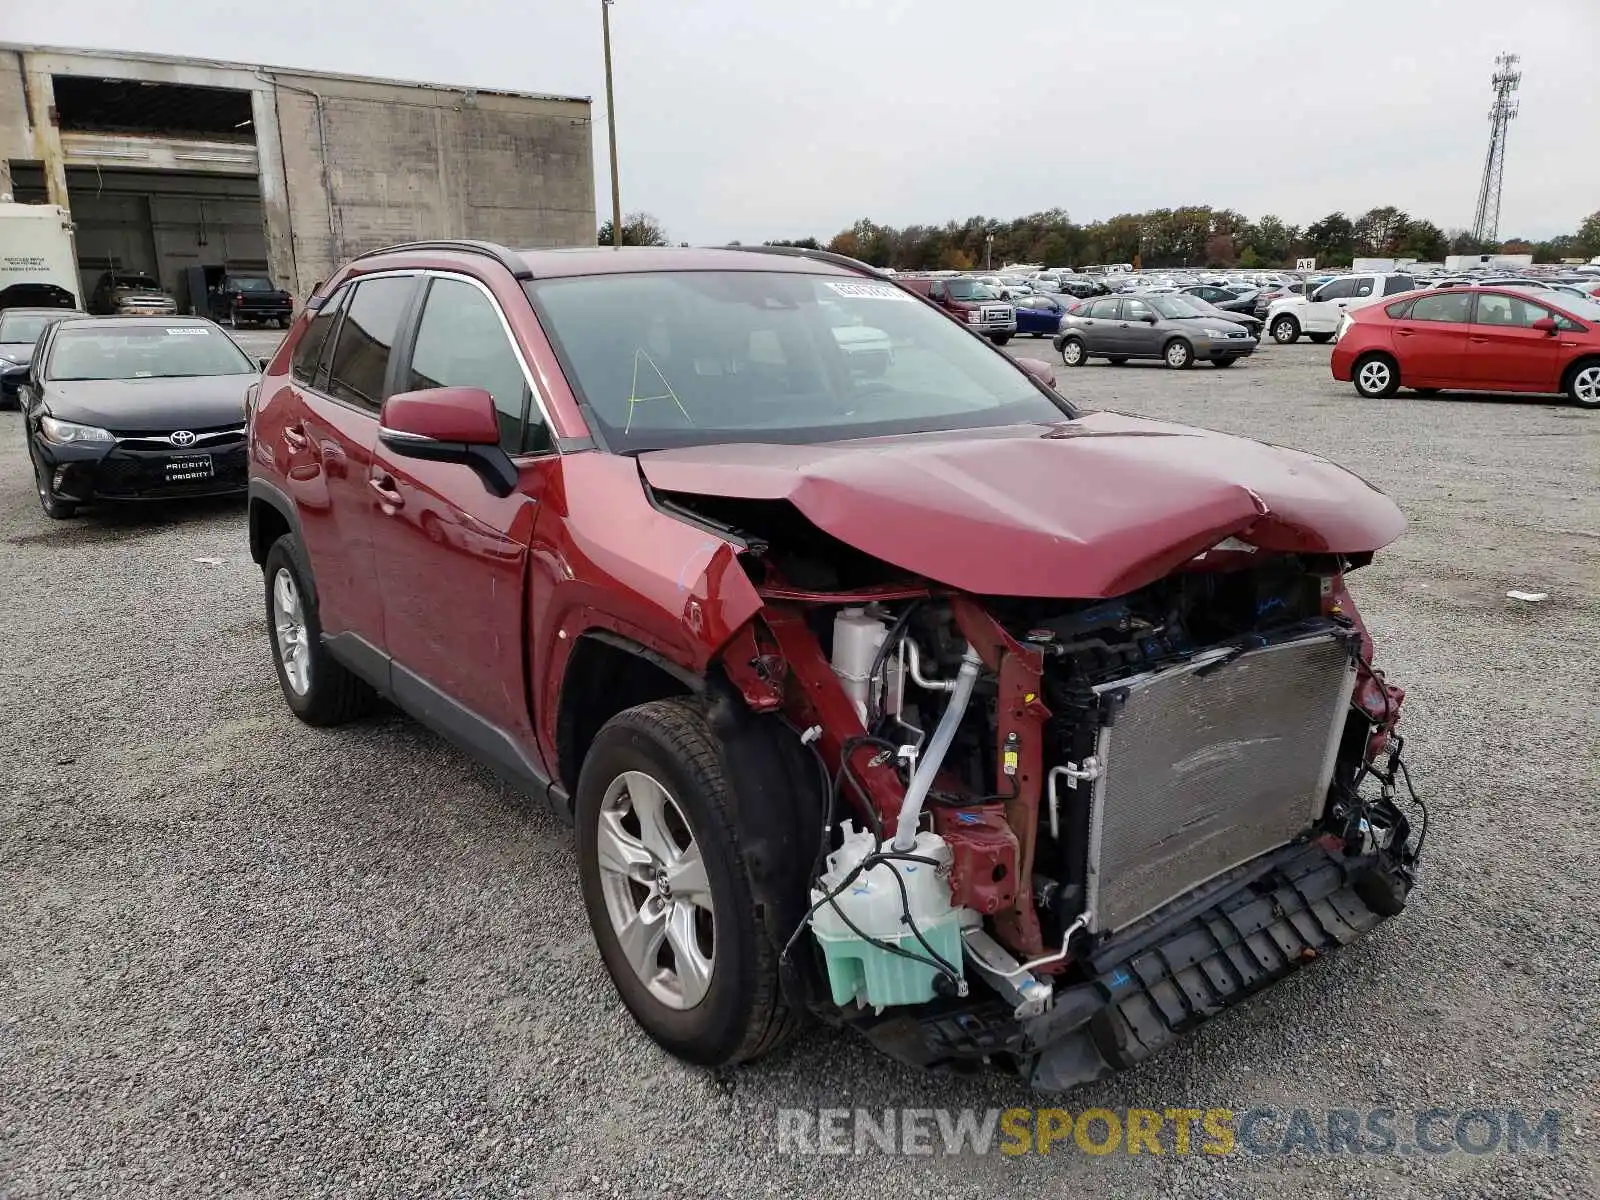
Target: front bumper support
[1165, 975]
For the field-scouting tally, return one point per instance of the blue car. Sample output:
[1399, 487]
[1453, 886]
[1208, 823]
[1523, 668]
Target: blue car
[1039, 316]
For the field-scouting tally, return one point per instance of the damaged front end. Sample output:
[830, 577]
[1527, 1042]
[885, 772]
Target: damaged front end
[1139, 808]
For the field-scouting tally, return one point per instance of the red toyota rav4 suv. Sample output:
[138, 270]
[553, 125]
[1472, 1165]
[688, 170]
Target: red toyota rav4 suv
[638, 530]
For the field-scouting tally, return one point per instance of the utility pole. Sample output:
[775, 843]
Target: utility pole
[1486, 218]
[988, 252]
[611, 123]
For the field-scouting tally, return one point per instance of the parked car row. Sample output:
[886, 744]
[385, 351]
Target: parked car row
[1166, 327]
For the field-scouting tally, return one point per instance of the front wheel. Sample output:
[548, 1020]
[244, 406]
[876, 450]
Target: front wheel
[668, 891]
[1583, 386]
[1178, 354]
[318, 688]
[1377, 377]
[1285, 331]
[1073, 353]
[999, 339]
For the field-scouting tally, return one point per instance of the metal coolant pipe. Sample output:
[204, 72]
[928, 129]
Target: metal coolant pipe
[905, 833]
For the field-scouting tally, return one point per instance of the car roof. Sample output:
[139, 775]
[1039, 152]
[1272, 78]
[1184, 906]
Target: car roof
[568, 262]
[92, 323]
[44, 311]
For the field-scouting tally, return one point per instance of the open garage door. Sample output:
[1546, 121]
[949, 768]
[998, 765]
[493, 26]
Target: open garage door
[158, 222]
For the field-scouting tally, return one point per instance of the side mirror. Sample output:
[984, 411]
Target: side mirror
[452, 425]
[263, 363]
[1042, 371]
[1546, 326]
[1149, 318]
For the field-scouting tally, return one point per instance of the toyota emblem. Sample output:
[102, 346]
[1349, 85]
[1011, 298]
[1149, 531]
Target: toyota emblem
[182, 438]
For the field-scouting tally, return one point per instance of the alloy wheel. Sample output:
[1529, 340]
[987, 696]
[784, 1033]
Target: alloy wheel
[1072, 353]
[289, 628]
[1586, 386]
[656, 891]
[1374, 376]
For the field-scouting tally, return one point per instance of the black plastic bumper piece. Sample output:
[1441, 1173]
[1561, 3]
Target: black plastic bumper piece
[1158, 979]
[1301, 910]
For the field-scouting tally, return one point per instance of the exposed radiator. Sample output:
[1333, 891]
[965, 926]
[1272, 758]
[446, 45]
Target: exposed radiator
[1210, 764]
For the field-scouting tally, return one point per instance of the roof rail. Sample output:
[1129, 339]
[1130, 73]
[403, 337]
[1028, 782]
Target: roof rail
[827, 256]
[506, 258]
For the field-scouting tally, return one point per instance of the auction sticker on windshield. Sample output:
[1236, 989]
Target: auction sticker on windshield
[869, 291]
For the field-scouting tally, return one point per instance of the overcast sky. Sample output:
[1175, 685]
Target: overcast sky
[753, 119]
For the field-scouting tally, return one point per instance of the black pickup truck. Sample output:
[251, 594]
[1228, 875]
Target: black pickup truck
[237, 297]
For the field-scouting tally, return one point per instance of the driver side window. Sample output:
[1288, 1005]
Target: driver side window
[1135, 310]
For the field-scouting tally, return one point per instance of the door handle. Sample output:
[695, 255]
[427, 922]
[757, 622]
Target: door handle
[295, 437]
[1479, 340]
[387, 495]
[1404, 332]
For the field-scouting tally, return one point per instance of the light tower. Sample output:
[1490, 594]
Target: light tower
[1486, 220]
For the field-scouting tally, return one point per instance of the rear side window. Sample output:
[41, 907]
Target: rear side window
[461, 343]
[366, 336]
[1453, 306]
[1103, 310]
[1396, 284]
[308, 354]
[1402, 309]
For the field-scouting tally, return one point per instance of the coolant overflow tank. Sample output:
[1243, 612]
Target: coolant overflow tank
[860, 972]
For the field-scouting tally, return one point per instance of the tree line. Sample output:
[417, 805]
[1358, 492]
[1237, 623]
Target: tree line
[1191, 236]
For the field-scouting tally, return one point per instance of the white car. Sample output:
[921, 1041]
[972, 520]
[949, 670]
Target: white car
[1317, 317]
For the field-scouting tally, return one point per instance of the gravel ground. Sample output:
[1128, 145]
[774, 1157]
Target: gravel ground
[241, 956]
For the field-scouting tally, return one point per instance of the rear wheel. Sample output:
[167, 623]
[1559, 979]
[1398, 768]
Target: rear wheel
[1073, 353]
[999, 339]
[318, 688]
[1178, 354]
[1285, 331]
[668, 890]
[1320, 338]
[1583, 385]
[1376, 376]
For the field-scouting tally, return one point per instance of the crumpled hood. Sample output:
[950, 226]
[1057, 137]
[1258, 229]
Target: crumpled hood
[1092, 507]
[151, 404]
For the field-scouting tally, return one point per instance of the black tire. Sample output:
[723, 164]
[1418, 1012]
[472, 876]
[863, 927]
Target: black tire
[1073, 352]
[1285, 330]
[999, 339]
[54, 506]
[283, 322]
[334, 695]
[1320, 339]
[1223, 362]
[1379, 383]
[743, 1014]
[1582, 383]
[1118, 362]
[1178, 354]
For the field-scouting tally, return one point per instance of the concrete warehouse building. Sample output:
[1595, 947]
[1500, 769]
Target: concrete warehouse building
[166, 163]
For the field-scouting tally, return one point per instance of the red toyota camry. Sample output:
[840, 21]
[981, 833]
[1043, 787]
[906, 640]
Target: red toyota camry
[1478, 338]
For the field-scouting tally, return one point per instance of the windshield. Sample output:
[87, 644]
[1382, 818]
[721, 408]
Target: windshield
[250, 283]
[1589, 310]
[147, 352]
[1172, 306]
[697, 358]
[24, 327]
[970, 289]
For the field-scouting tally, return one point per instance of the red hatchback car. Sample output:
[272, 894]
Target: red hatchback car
[1478, 339]
[898, 691]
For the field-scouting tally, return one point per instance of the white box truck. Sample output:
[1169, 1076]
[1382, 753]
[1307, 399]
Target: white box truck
[38, 260]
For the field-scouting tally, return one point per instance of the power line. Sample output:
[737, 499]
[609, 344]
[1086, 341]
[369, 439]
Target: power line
[1486, 218]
